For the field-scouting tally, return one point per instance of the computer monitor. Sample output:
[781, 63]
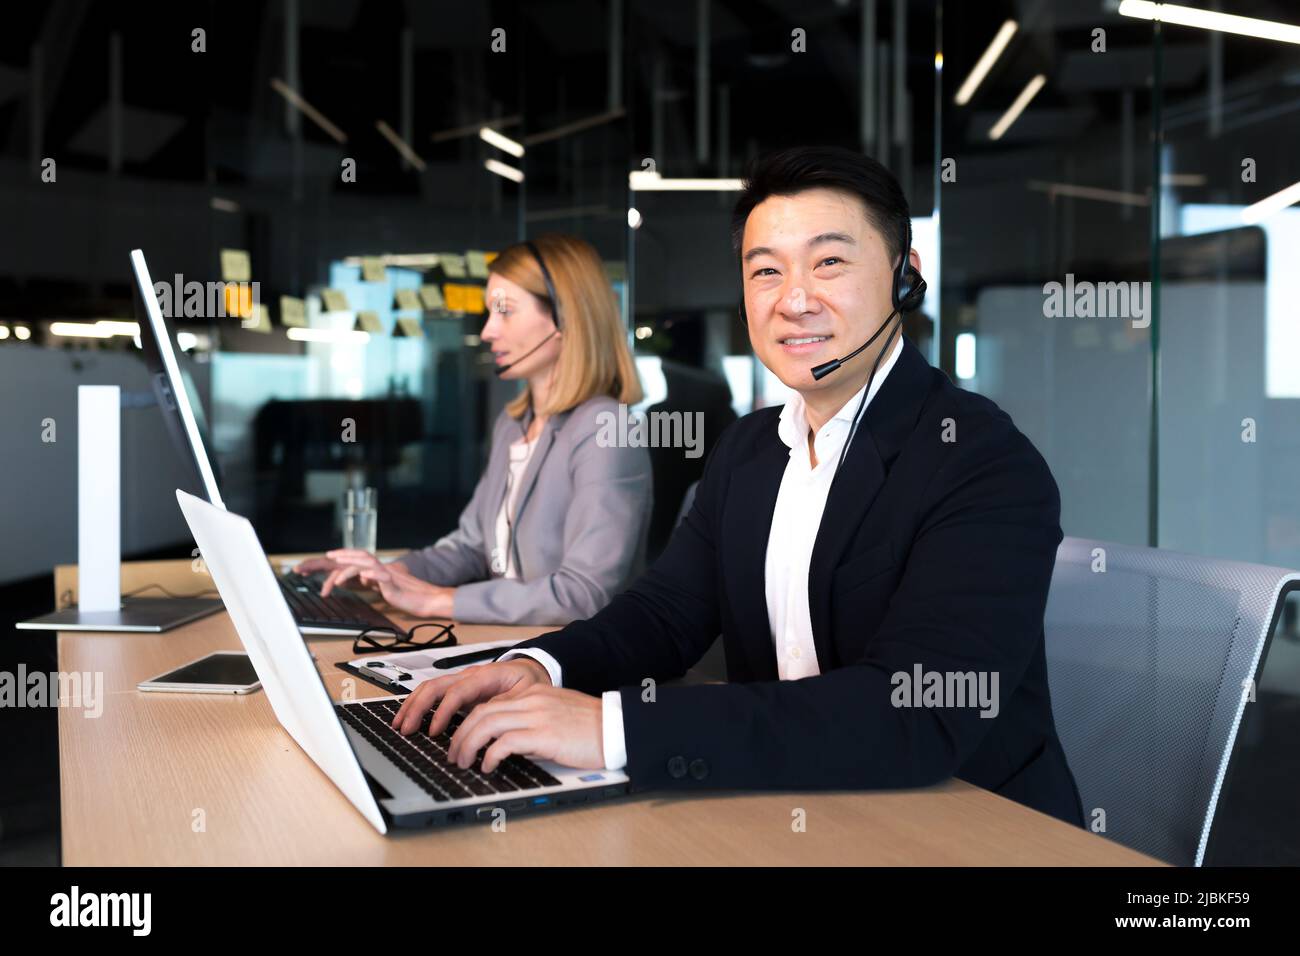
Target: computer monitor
[177, 397]
[181, 410]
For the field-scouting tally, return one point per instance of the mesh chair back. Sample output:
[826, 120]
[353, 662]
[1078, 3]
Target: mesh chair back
[1148, 662]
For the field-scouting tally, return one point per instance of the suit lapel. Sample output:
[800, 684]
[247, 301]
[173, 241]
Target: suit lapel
[885, 425]
[496, 489]
[747, 522]
[497, 496]
[545, 441]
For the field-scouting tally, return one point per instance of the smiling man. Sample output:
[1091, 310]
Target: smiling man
[876, 555]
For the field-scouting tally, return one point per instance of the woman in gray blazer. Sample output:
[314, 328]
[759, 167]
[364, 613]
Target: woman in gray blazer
[557, 524]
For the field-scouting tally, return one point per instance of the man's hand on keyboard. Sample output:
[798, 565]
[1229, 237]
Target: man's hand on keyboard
[541, 722]
[465, 689]
[515, 706]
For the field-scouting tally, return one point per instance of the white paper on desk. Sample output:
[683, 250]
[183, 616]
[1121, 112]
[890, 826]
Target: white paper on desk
[419, 664]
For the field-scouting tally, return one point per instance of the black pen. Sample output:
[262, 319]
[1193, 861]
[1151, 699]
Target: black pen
[470, 658]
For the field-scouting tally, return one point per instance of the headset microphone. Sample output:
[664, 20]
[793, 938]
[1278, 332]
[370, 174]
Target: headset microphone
[819, 372]
[907, 292]
[501, 368]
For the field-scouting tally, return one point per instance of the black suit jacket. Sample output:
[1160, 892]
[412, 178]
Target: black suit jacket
[936, 549]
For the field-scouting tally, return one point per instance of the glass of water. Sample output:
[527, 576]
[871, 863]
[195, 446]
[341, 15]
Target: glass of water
[360, 519]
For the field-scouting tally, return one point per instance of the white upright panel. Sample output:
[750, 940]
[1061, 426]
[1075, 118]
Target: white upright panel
[99, 497]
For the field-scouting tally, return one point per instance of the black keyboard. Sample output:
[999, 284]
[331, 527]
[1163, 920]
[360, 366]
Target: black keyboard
[424, 758]
[342, 610]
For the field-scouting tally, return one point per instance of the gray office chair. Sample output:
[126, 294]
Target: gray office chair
[1147, 662]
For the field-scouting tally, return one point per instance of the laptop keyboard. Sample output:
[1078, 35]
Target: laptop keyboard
[424, 758]
[342, 609]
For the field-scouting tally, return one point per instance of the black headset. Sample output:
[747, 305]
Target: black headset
[909, 286]
[554, 300]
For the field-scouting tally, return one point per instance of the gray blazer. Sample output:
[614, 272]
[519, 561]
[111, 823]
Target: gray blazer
[580, 526]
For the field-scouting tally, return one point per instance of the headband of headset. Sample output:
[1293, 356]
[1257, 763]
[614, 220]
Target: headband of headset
[546, 278]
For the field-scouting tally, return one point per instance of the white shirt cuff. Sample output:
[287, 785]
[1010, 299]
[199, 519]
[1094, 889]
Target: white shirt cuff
[611, 723]
[546, 660]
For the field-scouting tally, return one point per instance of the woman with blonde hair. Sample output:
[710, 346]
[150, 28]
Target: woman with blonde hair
[557, 524]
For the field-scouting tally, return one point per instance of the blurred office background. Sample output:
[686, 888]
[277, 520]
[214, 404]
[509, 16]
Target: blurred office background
[1096, 145]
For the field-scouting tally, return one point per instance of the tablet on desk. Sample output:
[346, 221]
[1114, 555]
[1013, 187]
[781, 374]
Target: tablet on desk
[221, 672]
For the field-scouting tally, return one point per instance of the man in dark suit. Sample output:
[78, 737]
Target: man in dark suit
[876, 555]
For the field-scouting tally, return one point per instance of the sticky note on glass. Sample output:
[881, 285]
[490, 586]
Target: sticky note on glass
[238, 299]
[477, 262]
[259, 321]
[454, 293]
[453, 266]
[373, 269]
[235, 266]
[489, 256]
[293, 311]
[408, 299]
[431, 297]
[334, 300]
[407, 328]
[368, 321]
[474, 299]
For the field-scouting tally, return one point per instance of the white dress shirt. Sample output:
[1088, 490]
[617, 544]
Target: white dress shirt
[503, 558]
[795, 520]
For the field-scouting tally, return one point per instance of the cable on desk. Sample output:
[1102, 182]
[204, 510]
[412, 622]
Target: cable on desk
[67, 600]
[159, 587]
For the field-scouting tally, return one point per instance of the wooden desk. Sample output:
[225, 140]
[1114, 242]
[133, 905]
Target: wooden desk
[137, 780]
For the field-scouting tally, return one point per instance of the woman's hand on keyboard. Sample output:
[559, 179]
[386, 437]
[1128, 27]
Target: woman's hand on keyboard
[348, 564]
[399, 587]
[328, 564]
[315, 565]
[466, 689]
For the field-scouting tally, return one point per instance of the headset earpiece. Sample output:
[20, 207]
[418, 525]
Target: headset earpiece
[909, 287]
[911, 291]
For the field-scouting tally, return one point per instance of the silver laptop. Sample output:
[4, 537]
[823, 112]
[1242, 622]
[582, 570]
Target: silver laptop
[393, 780]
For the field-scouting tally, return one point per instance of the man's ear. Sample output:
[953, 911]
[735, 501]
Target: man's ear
[914, 258]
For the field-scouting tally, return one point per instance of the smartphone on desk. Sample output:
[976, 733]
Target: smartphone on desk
[221, 672]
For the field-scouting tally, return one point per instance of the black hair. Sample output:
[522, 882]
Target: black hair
[794, 170]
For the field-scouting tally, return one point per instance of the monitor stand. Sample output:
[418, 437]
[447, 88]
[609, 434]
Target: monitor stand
[139, 615]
